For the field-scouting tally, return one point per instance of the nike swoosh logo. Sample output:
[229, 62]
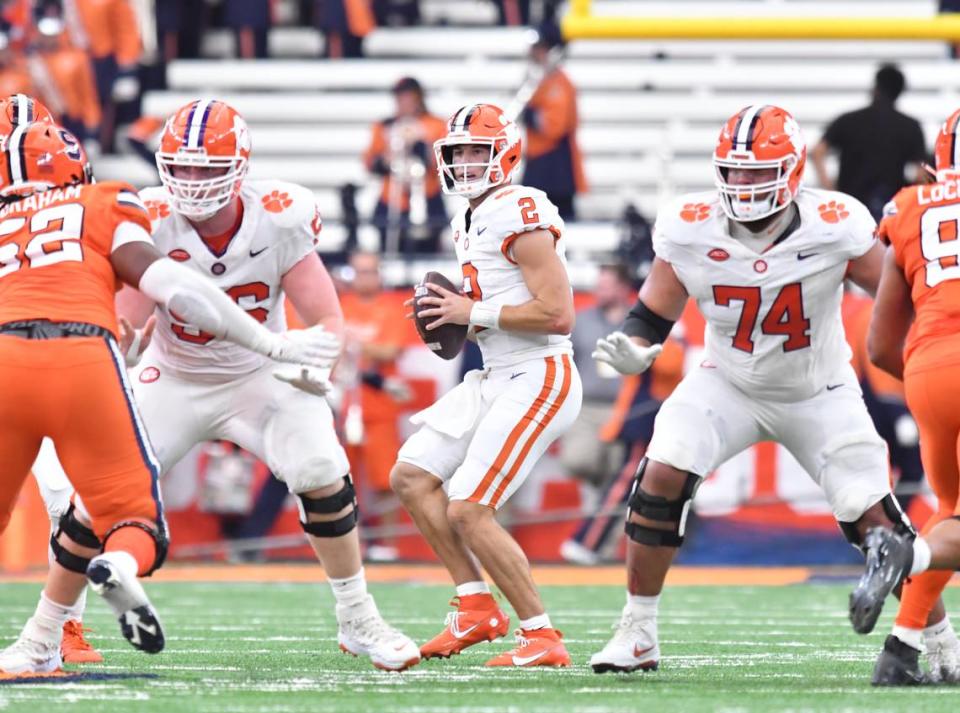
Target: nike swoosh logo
[834, 386]
[460, 634]
[801, 256]
[524, 660]
[514, 376]
[638, 654]
[255, 253]
[480, 230]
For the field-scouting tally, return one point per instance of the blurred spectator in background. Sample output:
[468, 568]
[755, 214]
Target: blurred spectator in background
[110, 31]
[344, 24]
[880, 148]
[513, 12]
[250, 21]
[581, 451]
[375, 334]
[14, 76]
[631, 426]
[64, 77]
[180, 25]
[396, 13]
[886, 402]
[553, 162]
[410, 213]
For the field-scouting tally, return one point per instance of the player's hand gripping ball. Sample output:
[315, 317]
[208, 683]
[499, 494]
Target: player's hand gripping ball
[446, 339]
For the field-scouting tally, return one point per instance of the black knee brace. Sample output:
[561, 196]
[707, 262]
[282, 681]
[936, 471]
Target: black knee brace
[656, 507]
[894, 513]
[160, 539]
[329, 505]
[79, 533]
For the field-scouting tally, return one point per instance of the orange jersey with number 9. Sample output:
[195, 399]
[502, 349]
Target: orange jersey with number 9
[922, 224]
[55, 249]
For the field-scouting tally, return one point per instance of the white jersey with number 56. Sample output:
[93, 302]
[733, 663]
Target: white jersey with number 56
[484, 244]
[280, 226]
[774, 327]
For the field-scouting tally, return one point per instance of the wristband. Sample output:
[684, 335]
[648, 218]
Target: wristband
[485, 315]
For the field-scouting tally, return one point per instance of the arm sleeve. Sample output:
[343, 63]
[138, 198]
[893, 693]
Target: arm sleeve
[200, 302]
[524, 212]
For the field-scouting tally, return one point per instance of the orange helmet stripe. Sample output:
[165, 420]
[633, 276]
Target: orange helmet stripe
[461, 120]
[16, 163]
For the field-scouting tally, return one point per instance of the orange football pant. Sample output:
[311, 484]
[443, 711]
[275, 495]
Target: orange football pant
[74, 390]
[933, 395]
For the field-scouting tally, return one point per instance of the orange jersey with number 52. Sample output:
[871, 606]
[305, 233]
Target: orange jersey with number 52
[55, 251]
[921, 224]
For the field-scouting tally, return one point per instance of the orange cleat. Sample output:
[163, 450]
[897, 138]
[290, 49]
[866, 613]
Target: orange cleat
[537, 647]
[478, 618]
[74, 648]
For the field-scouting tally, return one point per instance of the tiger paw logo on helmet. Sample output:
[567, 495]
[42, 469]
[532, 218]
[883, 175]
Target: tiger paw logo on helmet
[276, 201]
[157, 209]
[695, 212]
[833, 212]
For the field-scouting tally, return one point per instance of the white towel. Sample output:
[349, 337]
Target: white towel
[456, 412]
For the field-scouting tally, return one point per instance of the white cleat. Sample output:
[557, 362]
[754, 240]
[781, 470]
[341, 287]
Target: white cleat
[943, 660]
[363, 632]
[32, 652]
[124, 593]
[633, 647]
[575, 553]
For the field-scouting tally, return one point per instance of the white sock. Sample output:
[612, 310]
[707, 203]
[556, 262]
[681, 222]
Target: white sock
[76, 611]
[911, 637]
[350, 590]
[940, 633]
[540, 621]
[921, 556]
[50, 616]
[468, 588]
[643, 607]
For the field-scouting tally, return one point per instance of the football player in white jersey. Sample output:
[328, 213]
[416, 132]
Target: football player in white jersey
[256, 240]
[766, 261]
[481, 439]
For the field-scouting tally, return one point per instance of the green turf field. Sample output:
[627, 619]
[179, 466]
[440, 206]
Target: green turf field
[271, 648]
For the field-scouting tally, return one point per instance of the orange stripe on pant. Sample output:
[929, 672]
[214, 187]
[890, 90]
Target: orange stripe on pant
[539, 429]
[504, 455]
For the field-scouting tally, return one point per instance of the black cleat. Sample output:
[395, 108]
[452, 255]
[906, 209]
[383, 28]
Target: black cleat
[124, 594]
[898, 665]
[889, 559]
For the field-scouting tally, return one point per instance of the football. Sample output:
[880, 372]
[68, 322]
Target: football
[447, 340]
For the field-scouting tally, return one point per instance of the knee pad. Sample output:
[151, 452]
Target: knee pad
[327, 506]
[78, 532]
[656, 507]
[160, 539]
[893, 511]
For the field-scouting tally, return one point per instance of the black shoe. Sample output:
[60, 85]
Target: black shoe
[898, 665]
[889, 559]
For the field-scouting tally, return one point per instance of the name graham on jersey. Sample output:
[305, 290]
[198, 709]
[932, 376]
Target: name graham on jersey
[937, 192]
[36, 201]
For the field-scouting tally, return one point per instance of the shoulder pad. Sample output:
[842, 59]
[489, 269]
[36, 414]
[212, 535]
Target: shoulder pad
[680, 220]
[157, 201]
[288, 204]
[517, 209]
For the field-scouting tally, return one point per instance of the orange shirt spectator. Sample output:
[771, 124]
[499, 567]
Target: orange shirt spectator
[67, 72]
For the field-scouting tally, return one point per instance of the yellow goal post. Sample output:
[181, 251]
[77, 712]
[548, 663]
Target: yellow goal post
[581, 23]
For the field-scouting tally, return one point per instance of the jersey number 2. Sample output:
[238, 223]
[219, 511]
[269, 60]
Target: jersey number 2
[55, 238]
[785, 316]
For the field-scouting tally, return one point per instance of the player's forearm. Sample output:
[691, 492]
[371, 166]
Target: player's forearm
[538, 316]
[202, 304]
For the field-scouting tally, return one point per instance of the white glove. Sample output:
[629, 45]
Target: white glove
[305, 378]
[627, 357]
[313, 347]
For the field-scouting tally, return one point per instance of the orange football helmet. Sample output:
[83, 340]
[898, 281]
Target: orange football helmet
[760, 137]
[36, 157]
[19, 109]
[209, 135]
[946, 149]
[480, 124]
